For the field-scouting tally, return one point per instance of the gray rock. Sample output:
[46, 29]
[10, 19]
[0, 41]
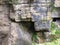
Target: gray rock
[19, 36]
[16, 33]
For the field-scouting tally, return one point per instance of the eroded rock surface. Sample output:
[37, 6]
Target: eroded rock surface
[12, 33]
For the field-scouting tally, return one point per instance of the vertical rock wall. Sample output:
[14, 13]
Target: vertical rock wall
[12, 33]
[4, 23]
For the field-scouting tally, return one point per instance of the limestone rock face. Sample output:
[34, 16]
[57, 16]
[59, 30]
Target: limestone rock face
[4, 21]
[57, 3]
[4, 24]
[12, 33]
[36, 11]
[19, 35]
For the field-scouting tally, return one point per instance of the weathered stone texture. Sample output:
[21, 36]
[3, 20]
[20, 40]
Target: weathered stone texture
[57, 3]
[15, 32]
[19, 35]
[4, 24]
[4, 21]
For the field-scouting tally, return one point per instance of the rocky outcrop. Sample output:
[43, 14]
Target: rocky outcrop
[4, 24]
[12, 33]
[18, 21]
[57, 3]
[19, 35]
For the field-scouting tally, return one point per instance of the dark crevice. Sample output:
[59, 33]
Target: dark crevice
[55, 19]
[43, 30]
[29, 25]
[30, 1]
[3, 35]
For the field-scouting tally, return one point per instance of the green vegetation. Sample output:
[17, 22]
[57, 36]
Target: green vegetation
[53, 29]
[34, 36]
[53, 8]
[55, 37]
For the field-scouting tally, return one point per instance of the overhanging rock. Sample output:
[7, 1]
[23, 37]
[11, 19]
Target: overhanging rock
[34, 12]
